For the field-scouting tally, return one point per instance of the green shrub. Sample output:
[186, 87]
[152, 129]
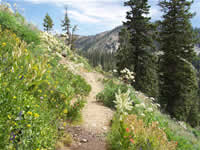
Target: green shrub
[107, 96]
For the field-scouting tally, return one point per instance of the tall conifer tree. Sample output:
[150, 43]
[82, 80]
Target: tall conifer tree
[140, 55]
[123, 59]
[178, 79]
[66, 25]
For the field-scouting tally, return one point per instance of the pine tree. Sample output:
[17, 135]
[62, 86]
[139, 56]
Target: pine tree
[48, 23]
[123, 59]
[178, 77]
[66, 25]
[140, 54]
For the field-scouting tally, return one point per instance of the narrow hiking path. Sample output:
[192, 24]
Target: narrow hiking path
[91, 134]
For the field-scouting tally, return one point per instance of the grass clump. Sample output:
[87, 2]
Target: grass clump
[107, 96]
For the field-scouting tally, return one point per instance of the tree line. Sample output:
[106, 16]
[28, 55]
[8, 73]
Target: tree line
[166, 73]
[100, 58]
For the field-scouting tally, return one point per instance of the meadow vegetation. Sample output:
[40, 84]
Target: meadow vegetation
[36, 91]
[141, 124]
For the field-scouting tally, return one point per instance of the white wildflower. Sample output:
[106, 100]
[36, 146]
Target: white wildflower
[115, 71]
[123, 103]
[143, 105]
[150, 109]
[142, 114]
[158, 105]
[151, 98]
[137, 105]
[182, 124]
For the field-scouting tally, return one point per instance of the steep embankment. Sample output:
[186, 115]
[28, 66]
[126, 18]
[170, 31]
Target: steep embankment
[90, 135]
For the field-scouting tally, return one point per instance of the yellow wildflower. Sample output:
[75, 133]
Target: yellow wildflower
[62, 96]
[28, 125]
[36, 115]
[17, 40]
[14, 97]
[26, 50]
[51, 92]
[4, 44]
[64, 124]
[29, 113]
[5, 83]
[45, 95]
[35, 68]
[9, 117]
[65, 111]
[40, 91]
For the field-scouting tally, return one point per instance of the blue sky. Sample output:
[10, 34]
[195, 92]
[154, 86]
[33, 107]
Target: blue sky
[91, 16]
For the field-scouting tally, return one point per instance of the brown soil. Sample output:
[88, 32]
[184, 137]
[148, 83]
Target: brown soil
[91, 134]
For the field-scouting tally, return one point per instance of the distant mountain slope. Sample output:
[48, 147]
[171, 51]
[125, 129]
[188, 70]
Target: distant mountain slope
[106, 41]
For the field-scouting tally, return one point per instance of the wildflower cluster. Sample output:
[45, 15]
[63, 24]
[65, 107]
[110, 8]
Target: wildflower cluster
[127, 76]
[31, 84]
[51, 44]
[142, 137]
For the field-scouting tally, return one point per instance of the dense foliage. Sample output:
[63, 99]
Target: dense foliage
[177, 43]
[36, 91]
[136, 47]
[97, 58]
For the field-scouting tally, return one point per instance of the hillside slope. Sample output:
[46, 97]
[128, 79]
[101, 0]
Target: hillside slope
[106, 41]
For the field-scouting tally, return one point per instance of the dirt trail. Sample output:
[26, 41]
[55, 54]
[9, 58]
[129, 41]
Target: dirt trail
[90, 135]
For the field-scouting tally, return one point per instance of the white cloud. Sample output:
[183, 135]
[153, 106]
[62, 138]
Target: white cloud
[155, 13]
[81, 17]
[102, 13]
[106, 12]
